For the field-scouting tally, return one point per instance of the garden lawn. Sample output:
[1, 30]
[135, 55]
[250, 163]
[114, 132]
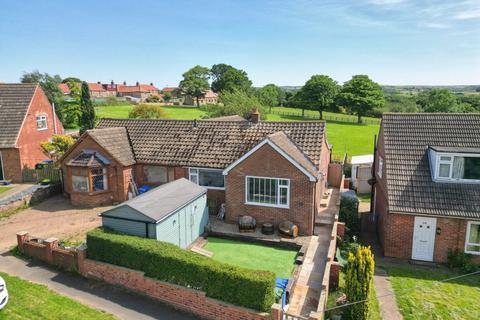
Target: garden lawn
[326, 115]
[171, 112]
[419, 295]
[374, 314]
[253, 256]
[33, 301]
[3, 189]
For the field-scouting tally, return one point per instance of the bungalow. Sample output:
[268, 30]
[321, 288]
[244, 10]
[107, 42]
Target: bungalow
[273, 171]
[427, 189]
[26, 119]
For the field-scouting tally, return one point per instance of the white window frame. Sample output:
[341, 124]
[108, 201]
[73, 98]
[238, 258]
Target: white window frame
[467, 236]
[452, 156]
[278, 205]
[195, 172]
[380, 167]
[43, 117]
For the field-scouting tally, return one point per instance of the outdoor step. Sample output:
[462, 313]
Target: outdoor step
[203, 252]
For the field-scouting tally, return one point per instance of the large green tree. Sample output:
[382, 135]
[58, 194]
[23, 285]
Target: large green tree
[48, 83]
[195, 82]
[360, 95]
[270, 95]
[319, 93]
[227, 78]
[438, 100]
[236, 102]
[87, 109]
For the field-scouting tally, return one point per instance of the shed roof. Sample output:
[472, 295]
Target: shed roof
[164, 200]
[410, 187]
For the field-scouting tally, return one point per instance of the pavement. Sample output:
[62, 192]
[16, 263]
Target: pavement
[111, 299]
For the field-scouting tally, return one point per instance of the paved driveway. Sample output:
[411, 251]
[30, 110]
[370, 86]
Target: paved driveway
[54, 217]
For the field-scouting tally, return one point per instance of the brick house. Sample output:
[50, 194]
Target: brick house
[97, 90]
[427, 190]
[26, 119]
[274, 171]
[209, 97]
[138, 91]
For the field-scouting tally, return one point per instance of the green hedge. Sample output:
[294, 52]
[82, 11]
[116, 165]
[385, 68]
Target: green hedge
[167, 262]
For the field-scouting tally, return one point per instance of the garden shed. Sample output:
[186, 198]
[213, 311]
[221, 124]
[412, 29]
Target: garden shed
[175, 212]
[362, 172]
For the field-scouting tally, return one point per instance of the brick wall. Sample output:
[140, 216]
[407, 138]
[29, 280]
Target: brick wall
[118, 178]
[12, 165]
[266, 162]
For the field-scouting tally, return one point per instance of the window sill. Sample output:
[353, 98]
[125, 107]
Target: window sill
[214, 188]
[268, 205]
[459, 181]
[476, 253]
[43, 129]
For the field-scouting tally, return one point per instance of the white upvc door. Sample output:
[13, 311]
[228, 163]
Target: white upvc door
[424, 238]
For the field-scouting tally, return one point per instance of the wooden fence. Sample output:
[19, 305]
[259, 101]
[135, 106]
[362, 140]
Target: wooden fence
[327, 117]
[37, 175]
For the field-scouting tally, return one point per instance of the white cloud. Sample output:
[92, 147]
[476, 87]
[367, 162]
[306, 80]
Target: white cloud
[385, 2]
[434, 25]
[468, 14]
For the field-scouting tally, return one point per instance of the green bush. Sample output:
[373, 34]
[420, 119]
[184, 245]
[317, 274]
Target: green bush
[349, 214]
[167, 262]
[147, 111]
[457, 259]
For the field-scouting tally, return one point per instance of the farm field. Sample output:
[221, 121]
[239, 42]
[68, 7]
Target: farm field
[348, 136]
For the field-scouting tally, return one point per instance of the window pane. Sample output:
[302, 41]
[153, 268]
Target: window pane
[445, 158]
[80, 183]
[473, 248]
[155, 174]
[472, 168]
[444, 171]
[284, 182]
[474, 236]
[458, 167]
[283, 196]
[211, 178]
[98, 183]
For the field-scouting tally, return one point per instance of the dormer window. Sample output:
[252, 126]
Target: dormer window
[458, 167]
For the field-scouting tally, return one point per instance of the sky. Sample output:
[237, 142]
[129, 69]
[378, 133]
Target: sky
[395, 42]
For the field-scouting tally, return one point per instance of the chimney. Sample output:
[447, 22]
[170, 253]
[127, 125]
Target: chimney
[255, 116]
[98, 82]
[112, 83]
[137, 83]
[124, 83]
[151, 83]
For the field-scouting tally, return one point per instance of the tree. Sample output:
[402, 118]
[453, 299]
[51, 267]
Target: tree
[359, 282]
[236, 102]
[195, 82]
[147, 111]
[86, 107]
[167, 96]
[48, 83]
[360, 95]
[227, 78]
[58, 145]
[71, 79]
[438, 100]
[318, 93]
[270, 95]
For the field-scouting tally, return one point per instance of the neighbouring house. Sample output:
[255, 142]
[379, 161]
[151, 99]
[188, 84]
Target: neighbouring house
[97, 90]
[27, 118]
[427, 190]
[138, 91]
[64, 88]
[177, 98]
[209, 97]
[175, 212]
[273, 171]
[362, 172]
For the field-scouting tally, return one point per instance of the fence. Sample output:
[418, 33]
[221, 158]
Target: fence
[327, 117]
[37, 175]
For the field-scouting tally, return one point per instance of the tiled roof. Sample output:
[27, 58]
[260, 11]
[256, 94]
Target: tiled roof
[114, 141]
[409, 183]
[229, 118]
[210, 94]
[281, 140]
[15, 100]
[64, 88]
[210, 143]
[169, 89]
[139, 88]
[95, 87]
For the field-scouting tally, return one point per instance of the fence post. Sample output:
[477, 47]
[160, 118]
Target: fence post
[50, 244]
[22, 237]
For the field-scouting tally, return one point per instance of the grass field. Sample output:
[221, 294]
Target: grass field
[374, 314]
[33, 301]
[420, 295]
[3, 189]
[253, 256]
[329, 116]
[353, 138]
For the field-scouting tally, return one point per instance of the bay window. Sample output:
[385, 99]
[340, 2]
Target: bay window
[264, 191]
[458, 167]
[209, 178]
[472, 241]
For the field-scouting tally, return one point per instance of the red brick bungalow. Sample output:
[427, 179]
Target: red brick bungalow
[26, 119]
[427, 191]
[274, 171]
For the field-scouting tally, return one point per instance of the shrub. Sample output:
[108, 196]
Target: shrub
[147, 111]
[153, 99]
[167, 262]
[236, 102]
[359, 282]
[349, 214]
[457, 259]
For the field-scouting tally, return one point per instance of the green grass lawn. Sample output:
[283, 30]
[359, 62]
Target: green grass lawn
[333, 295]
[420, 295]
[3, 189]
[253, 256]
[364, 197]
[333, 116]
[33, 301]
[355, 139]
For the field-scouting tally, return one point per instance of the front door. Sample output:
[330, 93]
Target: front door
[424, 238]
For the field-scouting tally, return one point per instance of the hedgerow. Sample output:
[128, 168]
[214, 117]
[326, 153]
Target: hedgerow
[167, 262]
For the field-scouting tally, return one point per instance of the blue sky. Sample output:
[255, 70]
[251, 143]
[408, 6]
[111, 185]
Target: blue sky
[282, 42]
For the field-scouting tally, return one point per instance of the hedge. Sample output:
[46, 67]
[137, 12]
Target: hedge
[167, 262]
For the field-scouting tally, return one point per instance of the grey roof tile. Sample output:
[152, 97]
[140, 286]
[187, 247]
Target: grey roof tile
[114, 141]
